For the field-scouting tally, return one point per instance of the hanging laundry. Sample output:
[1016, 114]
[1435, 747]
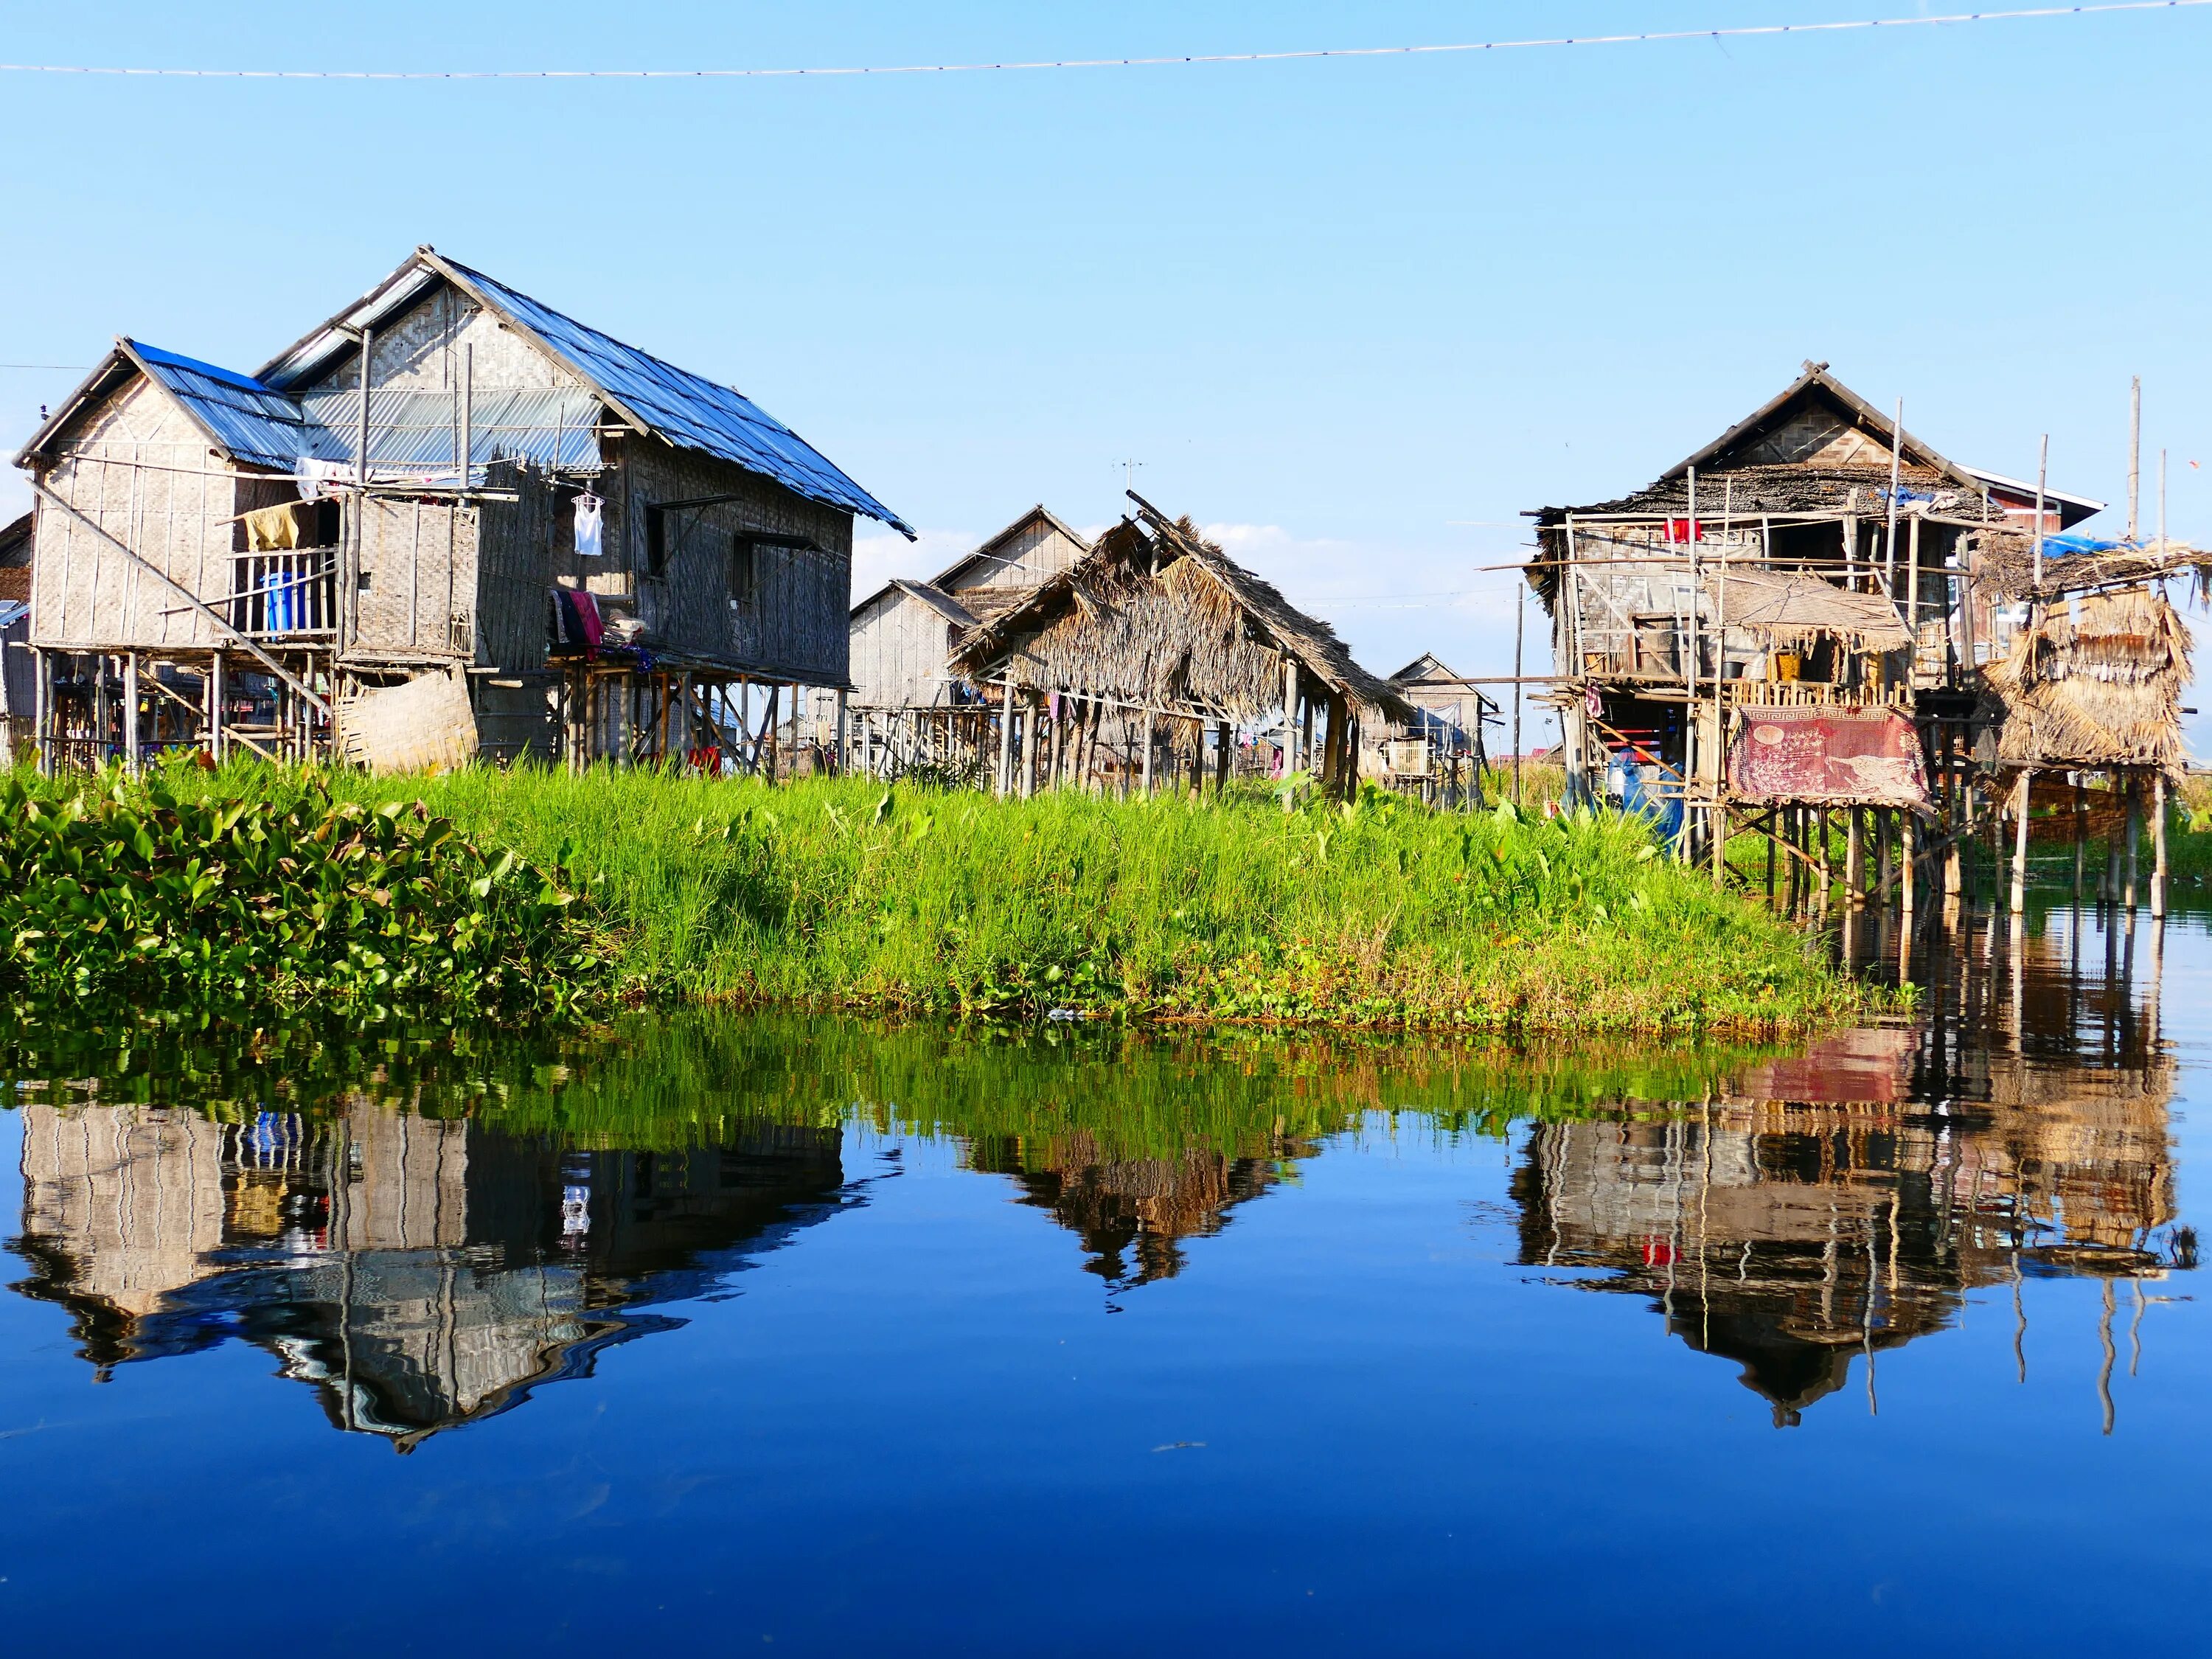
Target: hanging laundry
[576, 620]
[314, 476]
[1685, 530]
[280, 528]
[587, 525]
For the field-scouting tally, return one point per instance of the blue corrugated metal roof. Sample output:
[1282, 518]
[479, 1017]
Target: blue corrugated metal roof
[413, 431]
[685, 408]
[251, 422]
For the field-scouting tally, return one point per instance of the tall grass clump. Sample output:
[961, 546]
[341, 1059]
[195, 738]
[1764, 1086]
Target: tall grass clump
[136, 898]
[841, 892]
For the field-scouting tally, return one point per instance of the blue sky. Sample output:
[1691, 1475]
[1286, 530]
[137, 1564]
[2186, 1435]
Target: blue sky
[1358, 313]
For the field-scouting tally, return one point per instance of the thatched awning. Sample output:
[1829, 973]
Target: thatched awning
[1790, 610]
[2100, 688]
[1157, 616]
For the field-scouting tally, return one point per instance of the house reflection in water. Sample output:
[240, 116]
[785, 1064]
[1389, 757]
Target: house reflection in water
[1843, 1203]
[418, 1272]
[1122, 1207]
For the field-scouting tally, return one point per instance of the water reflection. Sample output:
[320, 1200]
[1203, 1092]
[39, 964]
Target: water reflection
[1828, 1207]
[425, 1248]
[416, 1272]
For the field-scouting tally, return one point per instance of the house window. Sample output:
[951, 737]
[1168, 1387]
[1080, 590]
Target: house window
[744, 563]
[656, 541]
[749, 571]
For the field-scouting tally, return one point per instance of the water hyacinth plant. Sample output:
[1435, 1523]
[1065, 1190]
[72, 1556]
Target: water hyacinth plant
[118, 894]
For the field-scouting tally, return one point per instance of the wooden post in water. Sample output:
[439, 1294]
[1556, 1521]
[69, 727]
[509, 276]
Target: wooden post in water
[2134, 837]
[2019, 840]
[2158, 847]
[1855, 856]
[2081, 836]
[1827, 872]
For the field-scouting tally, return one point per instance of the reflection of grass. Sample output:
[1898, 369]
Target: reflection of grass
[693, 1078]
[835, 892]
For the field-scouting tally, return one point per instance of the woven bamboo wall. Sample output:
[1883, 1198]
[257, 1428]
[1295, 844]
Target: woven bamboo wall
[897, 651]
[138, 467]
[419, 558]
[795, 626]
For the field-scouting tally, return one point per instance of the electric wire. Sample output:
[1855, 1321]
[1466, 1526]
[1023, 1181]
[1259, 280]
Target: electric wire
[1740, 32]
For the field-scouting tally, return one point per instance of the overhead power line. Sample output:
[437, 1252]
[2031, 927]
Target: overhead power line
[1738, 33]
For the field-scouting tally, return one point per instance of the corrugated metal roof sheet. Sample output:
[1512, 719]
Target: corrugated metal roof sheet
[251, 422]
[414, 431]
[685, 408]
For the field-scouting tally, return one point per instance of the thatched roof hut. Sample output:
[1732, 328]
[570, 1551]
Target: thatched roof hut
[1158, 617]
[2097, 682]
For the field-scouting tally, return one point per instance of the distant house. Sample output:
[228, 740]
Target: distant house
[1442, 750]
[449, 520]
[1151, 654]
[904, 631]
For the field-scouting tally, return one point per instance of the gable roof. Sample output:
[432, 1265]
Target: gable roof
[1427, 666]
[251, 422]
[938, 600]
[648, 394]
[1271, 619]
[1816, 384]
[988, 549]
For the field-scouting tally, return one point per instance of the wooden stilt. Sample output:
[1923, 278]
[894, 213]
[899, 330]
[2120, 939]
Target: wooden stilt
[2158, 868]
[2134, 837]
[1149, 746]
[131, 757]
[1855, 856]
[2019, 840]
[1032, 707]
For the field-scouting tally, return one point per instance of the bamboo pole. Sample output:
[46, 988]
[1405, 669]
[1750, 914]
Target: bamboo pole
[2042, 473]
[1149, 746]
[217, 745]
[2135, 838]
[130, 757]
[2019, 840]
[1006, 734]
[1519, 620]
[2158, 868]
[1855, 856]
[1032, 705]
[1896, 460]
[2135, 455]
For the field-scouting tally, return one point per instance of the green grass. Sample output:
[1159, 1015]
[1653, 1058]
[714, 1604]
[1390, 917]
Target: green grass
[840, 893]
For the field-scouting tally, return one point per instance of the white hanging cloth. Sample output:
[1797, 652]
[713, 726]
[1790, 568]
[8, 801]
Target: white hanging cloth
[587, 525]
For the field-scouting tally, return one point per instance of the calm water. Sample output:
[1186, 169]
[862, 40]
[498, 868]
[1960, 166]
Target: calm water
[837, 1338]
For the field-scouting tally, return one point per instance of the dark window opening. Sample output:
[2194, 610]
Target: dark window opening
[744, 561]
[747, 568]
[656, 542]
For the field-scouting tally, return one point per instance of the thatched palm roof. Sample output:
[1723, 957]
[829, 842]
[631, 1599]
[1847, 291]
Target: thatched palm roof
[1156, 615]
[1787, 610]
[2102, 687]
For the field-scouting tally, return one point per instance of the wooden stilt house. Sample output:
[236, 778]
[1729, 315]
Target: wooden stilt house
[1142, 660]
[911, 712]
[1787, 624]
[450, 521]
[1441, 753]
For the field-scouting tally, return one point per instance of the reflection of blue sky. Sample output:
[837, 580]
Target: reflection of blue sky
[921, 1427]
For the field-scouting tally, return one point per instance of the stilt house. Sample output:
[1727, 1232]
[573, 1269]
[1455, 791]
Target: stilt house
[1150, 653]
[449, 520]
[911, 709]
[1443, 753]
[1787, 621]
